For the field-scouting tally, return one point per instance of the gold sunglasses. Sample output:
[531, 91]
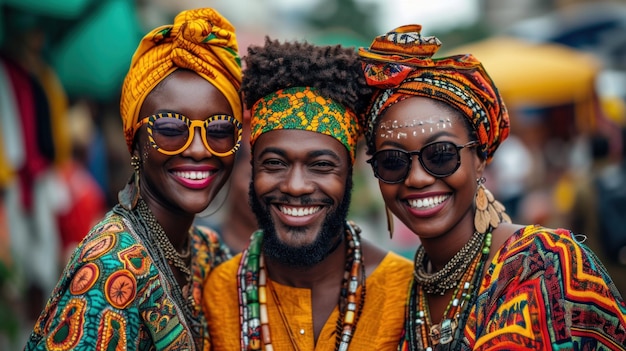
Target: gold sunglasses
[172, 133]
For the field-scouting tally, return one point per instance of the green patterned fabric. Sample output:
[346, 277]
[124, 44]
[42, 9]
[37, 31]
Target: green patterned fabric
[113, 295]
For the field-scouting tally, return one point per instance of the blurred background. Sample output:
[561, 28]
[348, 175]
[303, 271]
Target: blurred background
[560, 65]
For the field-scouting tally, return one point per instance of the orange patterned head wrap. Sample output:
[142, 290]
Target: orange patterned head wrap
[200, 40]
[400, 64]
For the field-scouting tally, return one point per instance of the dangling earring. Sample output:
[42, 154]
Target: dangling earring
[389, 221]
[489, 211]
[129, 196]
[135, 162]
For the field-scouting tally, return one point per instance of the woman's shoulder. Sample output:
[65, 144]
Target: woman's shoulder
[535, 248]
[112, 225]
[540, 238]
[108, 238]
[110, 247]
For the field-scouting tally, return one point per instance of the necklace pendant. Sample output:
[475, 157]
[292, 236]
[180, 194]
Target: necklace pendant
[448, 327]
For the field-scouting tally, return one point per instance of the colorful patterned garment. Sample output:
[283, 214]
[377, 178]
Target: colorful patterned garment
[378, 328]
[546, 291]
[112, 296]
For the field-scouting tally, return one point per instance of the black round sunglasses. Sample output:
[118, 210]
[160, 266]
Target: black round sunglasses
[440, 159]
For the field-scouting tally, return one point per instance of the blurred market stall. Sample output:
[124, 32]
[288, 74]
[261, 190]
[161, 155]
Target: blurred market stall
[88, 43]
[532, 76]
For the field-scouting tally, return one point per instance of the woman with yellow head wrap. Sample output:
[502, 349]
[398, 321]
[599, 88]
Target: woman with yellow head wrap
[134, 281]
[480, 282]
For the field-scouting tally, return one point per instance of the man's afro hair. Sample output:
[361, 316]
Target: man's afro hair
[335, 72]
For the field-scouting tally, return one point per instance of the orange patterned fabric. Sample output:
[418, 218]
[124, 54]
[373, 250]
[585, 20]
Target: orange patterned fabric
[200, 40]
[545, 290]
[400, 64]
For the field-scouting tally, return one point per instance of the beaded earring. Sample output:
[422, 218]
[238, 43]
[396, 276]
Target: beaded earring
[135, 162]
[489, 211]
[129, 196]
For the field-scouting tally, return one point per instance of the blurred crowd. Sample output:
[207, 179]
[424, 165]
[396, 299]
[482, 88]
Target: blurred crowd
[62, 162]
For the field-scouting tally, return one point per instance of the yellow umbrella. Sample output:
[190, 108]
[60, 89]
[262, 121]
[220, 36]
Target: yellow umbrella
[539, 74]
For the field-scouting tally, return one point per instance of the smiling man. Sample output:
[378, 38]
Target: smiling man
[306, 281]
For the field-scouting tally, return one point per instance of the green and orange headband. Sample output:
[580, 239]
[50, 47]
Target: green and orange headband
[303, 108]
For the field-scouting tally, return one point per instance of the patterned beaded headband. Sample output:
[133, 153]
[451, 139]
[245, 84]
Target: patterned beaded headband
[400, 64]
[304, 108]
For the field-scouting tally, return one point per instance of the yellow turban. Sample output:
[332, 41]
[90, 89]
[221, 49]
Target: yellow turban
[200, 40]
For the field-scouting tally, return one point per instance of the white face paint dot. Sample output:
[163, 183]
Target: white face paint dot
[395, 129]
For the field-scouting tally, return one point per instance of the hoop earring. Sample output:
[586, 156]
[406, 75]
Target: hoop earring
[129, 196]
[389, 221]
[489, 212]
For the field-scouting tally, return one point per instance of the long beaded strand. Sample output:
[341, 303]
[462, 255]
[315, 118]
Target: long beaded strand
[248, 291]
[347, 301]
[447, 333]
[263, 314]
[172, 256]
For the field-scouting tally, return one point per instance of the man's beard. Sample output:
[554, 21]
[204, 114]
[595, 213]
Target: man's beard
[330, 235]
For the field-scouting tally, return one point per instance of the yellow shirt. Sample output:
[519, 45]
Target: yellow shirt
[378, 328]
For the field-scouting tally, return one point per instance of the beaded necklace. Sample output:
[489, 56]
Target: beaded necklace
[450, 275]
[172, 256]
[252, 289]
[145, 229]
[419, 332]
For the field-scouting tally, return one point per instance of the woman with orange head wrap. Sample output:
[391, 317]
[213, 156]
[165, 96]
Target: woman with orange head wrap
[134, 281]
[480, 282]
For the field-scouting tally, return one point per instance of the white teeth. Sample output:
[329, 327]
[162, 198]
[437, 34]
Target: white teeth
[428, 202]
[193, 175]
[299, 211]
